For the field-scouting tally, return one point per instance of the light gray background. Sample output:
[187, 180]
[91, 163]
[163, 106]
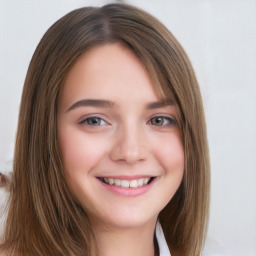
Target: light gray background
[220, 38]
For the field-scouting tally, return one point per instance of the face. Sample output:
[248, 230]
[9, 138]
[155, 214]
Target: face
[120, 145]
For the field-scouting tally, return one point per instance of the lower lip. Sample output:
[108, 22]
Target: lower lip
[129, 192]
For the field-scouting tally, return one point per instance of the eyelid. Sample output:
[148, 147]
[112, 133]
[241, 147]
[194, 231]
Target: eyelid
[99, 116]
[172, 120]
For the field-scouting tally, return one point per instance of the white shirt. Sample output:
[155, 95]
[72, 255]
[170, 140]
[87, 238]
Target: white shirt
[162, 244]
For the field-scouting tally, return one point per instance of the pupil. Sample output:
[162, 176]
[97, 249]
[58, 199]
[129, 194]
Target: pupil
[158, 121]
[94, 121]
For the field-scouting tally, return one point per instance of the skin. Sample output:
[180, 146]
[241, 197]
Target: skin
[128, 136]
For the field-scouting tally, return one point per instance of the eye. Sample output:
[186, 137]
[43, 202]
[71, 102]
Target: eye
[93, 121]
[162, 121]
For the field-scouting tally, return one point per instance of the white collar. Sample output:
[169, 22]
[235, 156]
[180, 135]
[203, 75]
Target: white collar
[162, 244]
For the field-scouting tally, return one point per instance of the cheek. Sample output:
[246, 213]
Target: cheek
[170, 153]
[80, 154]
[79, 151]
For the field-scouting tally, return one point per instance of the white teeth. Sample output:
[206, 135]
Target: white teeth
[140, 182]
[117, 182]
[134, 184]
[111, 181]
[145, 181]
[127, 183]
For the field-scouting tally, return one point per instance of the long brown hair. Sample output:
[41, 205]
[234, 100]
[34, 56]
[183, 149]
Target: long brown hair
[44, 219]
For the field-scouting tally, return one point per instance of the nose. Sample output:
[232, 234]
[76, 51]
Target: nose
[130, 146]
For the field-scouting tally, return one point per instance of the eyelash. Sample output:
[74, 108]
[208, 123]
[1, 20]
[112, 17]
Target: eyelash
[166, 121]
[90, 118]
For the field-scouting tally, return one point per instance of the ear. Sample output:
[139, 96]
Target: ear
[5, 186]
[5, 181]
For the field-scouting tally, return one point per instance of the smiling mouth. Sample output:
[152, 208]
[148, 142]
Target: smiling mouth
[136, 183]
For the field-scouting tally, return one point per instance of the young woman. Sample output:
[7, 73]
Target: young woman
[111, 154]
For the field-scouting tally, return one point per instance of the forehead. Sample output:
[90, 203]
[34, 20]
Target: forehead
[109, 71]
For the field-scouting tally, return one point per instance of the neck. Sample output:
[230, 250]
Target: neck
[137, 241]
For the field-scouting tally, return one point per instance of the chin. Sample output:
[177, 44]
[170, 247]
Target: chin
[127, 219]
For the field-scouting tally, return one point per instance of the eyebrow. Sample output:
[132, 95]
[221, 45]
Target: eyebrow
[110, 104]
[159, 104]
[91, 103]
